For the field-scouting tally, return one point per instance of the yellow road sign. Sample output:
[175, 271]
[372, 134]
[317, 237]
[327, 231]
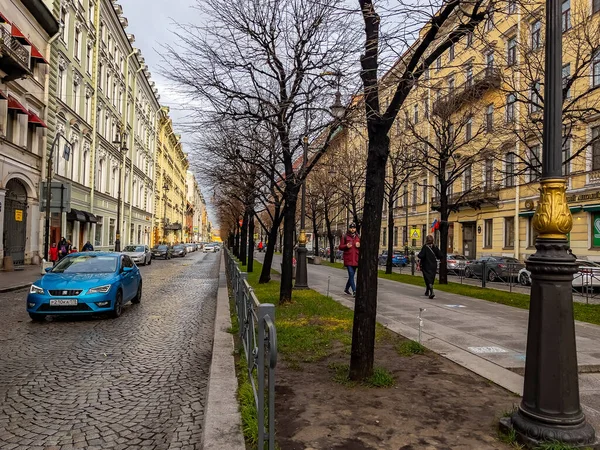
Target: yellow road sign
[19, 215]
[415, 233]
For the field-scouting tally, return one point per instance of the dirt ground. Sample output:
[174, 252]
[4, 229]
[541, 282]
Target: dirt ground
[435, 404]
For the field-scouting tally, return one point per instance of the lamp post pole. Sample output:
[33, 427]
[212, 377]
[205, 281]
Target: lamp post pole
[301, 269]
[406, 221]
[550, 410]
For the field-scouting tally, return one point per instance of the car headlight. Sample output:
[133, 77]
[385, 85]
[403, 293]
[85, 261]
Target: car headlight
[36, 290]
[100, 289]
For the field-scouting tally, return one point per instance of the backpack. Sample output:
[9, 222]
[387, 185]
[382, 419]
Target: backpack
[63, 249]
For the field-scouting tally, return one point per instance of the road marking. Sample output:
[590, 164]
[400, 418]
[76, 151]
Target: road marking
[456, 306]
[486, 350]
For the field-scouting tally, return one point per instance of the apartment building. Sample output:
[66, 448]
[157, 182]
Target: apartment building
[102, 126]
[26, 31]
[196, 210]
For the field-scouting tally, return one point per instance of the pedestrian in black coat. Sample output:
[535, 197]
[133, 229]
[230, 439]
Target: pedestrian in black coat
[428, 257]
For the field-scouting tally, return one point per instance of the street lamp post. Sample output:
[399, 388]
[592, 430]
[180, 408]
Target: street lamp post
[119, 141]
[551, 409]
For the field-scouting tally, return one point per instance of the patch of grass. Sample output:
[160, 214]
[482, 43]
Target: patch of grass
[337, 265]
[381, 378]
[340, 374]
[510, 438]
[409, 348]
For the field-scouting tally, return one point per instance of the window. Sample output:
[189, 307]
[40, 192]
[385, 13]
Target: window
[566, 15]
[85, 168]
[469, 76]
[100, 75]
[535, 163]
[88, 107]
[510, 107]
[111, 232]
[509, 232]
[536, 35]
[100, 179]
[426, 108]
[76, 99]
[566, 155]
[489, 173]
[596, 148]
[488, 236]
[512, 6]
[596, 69]
[416, 113]
[489, 61]
[512, 51]
[451, 85]
[595, 6]
[489, 118]
[113, 182]
[467, 179]
[438, 63]
[424, 190]
[415, 194]
[77, 45]
[98, 235]
[451, 53]
[469, 129]
[469, 38]
[88, 58]
[566, 74]
[383, 235]
[64, 23]
[534, 97]
[91, 11]
[510, 169]
[489, 24]
[595, 234]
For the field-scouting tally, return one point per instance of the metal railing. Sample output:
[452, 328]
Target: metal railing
[259, 337]
[18, 50]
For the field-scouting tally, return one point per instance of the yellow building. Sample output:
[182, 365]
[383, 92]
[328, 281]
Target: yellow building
[170, 185]
[485, 94]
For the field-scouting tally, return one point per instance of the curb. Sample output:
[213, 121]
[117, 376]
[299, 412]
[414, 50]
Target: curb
[15, 288]
[223, 423]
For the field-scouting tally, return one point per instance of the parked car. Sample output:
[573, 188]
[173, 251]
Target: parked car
[398, 259]
[139, 254]
[456, 263]
[209, 248]
[162, 251]
[179, 250]
[496, 267]
[86, 283]
[588, 270]
[189, 247]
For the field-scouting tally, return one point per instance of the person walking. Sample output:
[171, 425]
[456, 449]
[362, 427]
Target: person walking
[260, 246]
[53, 253]
[349, 245]
[428, 258]
[63, 248]
[88, 247]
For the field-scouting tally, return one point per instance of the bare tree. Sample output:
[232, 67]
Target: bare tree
[447, 23]
[266, 62]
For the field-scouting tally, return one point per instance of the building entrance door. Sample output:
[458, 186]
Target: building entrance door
[469, 240]
[15, 221]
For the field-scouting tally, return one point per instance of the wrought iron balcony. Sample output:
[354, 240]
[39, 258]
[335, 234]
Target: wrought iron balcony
[471, 90]
[474, 198]
[14, 57]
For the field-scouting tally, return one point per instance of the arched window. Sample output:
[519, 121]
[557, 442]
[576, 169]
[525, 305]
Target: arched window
[134, 200]
[114, 183]
[100, 180]
[85, 168]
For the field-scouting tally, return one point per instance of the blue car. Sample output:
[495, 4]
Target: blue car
[86, 283]
[398, 259]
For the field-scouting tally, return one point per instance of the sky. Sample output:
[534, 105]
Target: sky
[152, 22]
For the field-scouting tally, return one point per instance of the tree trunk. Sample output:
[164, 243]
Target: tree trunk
[444, 227]
[390, 242]
[365, 309]
[244, 240]
[265, 274]
[315, 236]
[289, 226]
[250, 242]
[236, 245]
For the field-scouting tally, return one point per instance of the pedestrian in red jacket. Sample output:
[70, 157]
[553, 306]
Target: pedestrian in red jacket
[350, 244]
[53, 253]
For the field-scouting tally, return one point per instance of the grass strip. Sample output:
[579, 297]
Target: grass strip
[582, 312]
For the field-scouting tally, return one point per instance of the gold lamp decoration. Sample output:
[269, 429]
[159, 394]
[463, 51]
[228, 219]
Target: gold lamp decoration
[302, 237]
[552, 218]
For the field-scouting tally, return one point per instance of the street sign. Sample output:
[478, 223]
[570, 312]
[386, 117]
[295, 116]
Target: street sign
[19, 215]
[415, 233]
[60, 197]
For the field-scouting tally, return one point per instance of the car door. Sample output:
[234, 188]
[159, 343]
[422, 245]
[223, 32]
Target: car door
[129, 286]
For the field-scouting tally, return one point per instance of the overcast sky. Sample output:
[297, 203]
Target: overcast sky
[153, 22]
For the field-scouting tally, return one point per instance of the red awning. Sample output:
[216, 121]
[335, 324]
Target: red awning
[35, 120]
[3, 17]
[14, 104]
[35, 53]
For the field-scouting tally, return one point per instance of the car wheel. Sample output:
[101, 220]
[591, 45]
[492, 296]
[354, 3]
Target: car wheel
[37, 317]
[468, 273]
[492, 275]
[118, 309]
[150, 261]
[524, 279]
[138, 297]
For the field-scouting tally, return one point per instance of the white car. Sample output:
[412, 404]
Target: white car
[139, 254]
[209, 248]
[190, 248]
[587, 276]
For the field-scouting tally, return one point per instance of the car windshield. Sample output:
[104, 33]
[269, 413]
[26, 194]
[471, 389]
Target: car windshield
[161, 247]
[178, 247]
[511, 260]
[86, 263]
[134, 248]
[461, 257]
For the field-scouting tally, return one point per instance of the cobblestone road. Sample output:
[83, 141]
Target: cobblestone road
[137, 382]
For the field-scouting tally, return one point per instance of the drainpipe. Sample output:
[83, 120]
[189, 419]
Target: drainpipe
[93, 119]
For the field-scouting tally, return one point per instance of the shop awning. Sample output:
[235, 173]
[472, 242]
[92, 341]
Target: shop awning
[35, 53]
[90, 217]
[75, 214]
[591, 208]
[13, 103]
[35, 120]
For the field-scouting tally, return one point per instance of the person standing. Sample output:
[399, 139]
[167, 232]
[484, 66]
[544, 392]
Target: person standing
[349, 245]
[88, 247]
[63, 248]
[53, 253]
[428, 257]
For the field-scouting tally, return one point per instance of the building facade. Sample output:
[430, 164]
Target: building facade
[196, 209]
[26, 31]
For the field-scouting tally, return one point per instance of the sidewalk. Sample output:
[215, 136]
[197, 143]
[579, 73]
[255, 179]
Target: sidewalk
[484, 337]
[21, 278]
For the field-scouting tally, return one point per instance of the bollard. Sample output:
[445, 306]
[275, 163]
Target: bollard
[412, 263]
[421, 311]
[328, 281]
[483, 274]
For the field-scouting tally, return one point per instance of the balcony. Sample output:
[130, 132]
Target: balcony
[14, 57]
[469, 91]
[475, 198]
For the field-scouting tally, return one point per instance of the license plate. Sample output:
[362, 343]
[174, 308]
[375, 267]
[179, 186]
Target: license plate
[63, 302]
